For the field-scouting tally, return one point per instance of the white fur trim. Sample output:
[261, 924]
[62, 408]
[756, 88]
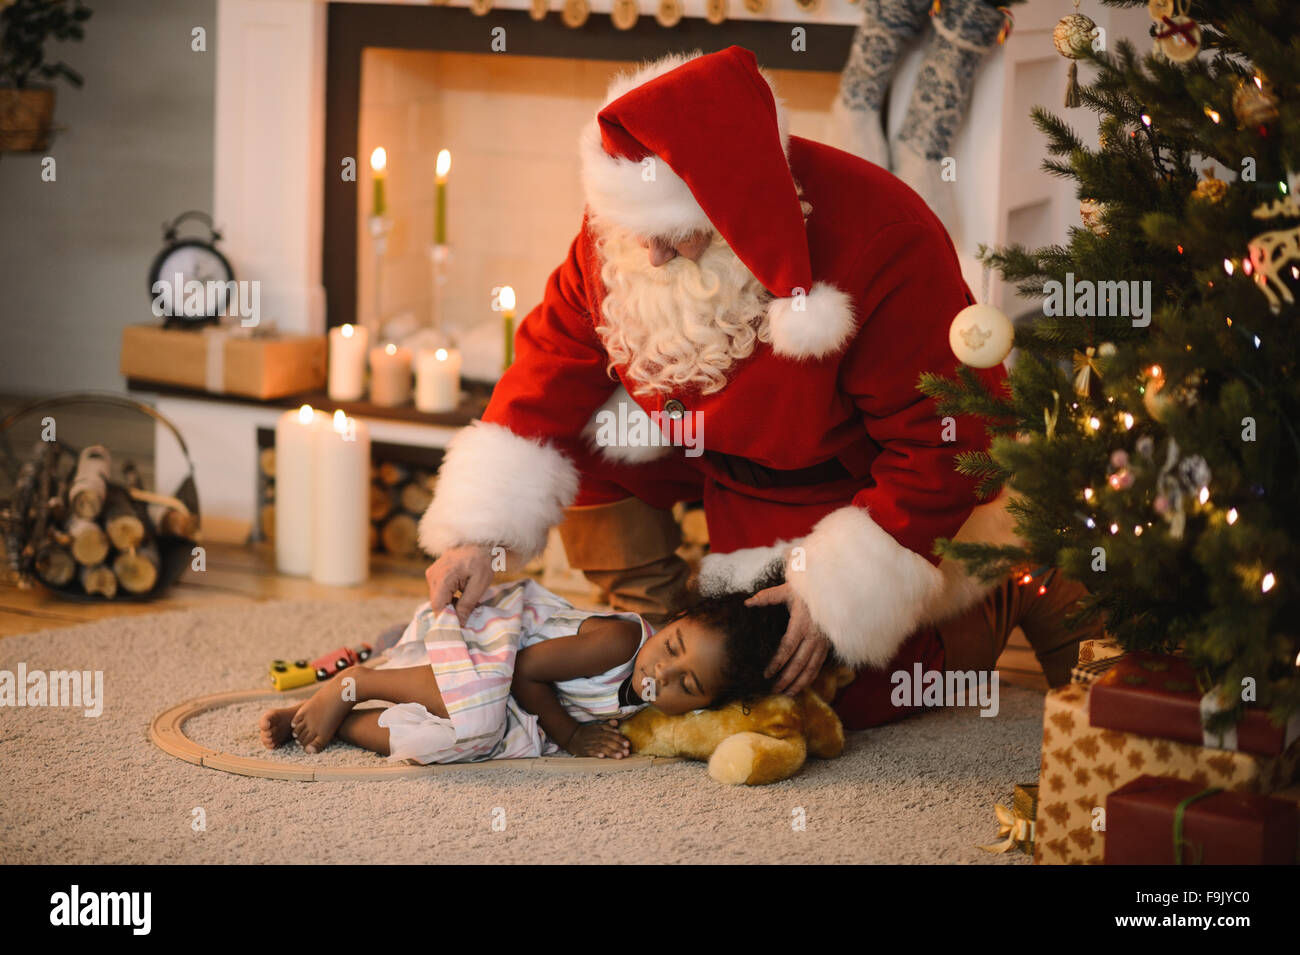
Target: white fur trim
[820, 328]
[739, 571]
[625, 454]
[866, 591]
[616, 188]
[495, 487]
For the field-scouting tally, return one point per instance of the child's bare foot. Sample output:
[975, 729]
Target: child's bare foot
[277, 725]
[318, 719]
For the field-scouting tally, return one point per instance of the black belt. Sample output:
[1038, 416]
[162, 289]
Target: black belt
[751, 474]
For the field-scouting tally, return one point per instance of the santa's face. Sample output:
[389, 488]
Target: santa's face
[677, 315]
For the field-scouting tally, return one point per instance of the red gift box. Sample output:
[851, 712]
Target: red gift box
[1156, 695]
[1151, 819]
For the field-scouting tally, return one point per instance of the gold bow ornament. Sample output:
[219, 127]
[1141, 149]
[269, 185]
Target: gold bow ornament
[1018, 831]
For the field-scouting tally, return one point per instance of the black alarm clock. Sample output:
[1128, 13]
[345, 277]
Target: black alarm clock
[182, 262]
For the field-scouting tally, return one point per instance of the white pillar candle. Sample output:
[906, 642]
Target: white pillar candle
[390, 376]
[437, 379]
[341, 511]
[347, 373]
[295, 468]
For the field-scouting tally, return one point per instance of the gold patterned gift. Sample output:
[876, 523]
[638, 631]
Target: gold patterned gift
[1082, 764]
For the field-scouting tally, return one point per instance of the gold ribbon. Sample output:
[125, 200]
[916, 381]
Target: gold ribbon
[1050, 417]
[1085, 366]
[1016, 830]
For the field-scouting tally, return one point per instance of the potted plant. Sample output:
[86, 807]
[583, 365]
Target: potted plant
[26, 110]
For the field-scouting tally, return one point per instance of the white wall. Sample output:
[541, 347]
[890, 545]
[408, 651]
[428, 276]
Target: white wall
[136, 150]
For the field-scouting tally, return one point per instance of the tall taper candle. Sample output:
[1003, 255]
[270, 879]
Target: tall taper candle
[341, 509]
[508, 306]
[440, 205]
[295, 488]
[378, 166]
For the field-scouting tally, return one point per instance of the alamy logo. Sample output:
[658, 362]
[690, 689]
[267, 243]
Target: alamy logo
[635, 428]
[195, 299]
[1087, 299]
[69, 688]
[945, 688]
[103, 908]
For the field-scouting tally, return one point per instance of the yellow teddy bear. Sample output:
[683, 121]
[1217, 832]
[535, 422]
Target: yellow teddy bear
[750, 743]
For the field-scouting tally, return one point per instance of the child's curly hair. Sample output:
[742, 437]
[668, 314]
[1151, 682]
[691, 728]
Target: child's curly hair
[752, 635]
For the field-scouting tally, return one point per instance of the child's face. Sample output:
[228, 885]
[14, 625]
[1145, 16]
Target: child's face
[679, 669]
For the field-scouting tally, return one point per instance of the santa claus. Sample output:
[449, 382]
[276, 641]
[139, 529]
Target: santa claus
[777, 299]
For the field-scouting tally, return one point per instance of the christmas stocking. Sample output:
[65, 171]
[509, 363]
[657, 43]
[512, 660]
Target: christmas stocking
[964, 32]
[856, 124]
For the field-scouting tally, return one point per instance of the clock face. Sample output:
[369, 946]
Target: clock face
[185, 262]
[200, 263]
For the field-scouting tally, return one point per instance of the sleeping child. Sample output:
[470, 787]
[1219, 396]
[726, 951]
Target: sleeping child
[530, 675]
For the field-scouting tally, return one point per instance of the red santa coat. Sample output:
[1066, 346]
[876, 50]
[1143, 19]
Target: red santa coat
[859, 550]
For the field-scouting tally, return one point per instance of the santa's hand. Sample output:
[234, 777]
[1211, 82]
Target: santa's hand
[466, 570]
[804, 647]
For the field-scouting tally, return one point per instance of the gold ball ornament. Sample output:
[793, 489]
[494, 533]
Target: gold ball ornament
[981, 336]
[1254, 103]
[669, 13]
[624, 13]
[575, 13]
[1211, 188]
[715, 11]
[1073, 36]
[539, 8]
[1091, 212]
[1178, 39]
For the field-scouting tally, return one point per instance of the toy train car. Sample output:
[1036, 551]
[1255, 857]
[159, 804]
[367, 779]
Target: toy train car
[290, 674]
[342, 658]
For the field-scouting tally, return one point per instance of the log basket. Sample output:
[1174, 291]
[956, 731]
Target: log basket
[174, 551]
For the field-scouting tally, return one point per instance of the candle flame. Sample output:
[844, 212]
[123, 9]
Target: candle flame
[305, 414]
[347, 331]
[379, 159]
[440, 354]
[390, 348]
[340, 422]
[507, 298]
[444, 163]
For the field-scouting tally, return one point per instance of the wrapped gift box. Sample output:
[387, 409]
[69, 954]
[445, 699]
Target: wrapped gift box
[1082, 764]
[1157, 695]
[1091, 650]
[216, 360]
[1160, 820]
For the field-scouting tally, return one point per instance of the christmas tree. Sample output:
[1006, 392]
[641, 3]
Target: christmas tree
[1150, 434]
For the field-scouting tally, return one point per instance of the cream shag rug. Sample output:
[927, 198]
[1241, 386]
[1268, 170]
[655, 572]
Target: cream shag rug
[95, 790]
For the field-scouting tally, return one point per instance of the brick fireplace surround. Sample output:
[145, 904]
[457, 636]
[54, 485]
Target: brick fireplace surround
[289, 104]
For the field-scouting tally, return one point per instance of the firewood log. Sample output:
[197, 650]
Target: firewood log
[399, 535]
[131, 475]
[122, 520]
[173, 521]
[382, 501]
[89, 485]
[89, 543]
[54, 564]
[137, 569]
[391, 475]
[416, 496]
[99, 579]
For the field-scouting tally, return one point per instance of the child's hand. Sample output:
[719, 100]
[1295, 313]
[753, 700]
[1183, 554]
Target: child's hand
[599, 740]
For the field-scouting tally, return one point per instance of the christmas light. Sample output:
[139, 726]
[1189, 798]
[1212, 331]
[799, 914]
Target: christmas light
[1137, 530]
[1156, 371]
[1213, 114]
[1204, 495]
[1146, 120]
[1227, 266]
[1087, 494]
[1246, 267]
[1042, 589]
[1269, 581]
[1094, 422]
[1090, 523]
[1232, 516]
[1027, 578]
[1256, 341]
[1114, 528]
[1128, 421]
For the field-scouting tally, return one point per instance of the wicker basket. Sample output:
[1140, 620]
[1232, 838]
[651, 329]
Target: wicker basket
[26, 119]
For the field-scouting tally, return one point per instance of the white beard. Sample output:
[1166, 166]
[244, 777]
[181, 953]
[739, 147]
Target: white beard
[681, 325]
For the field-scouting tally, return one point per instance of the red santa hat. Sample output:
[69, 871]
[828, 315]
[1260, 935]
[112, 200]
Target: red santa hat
[696, 142]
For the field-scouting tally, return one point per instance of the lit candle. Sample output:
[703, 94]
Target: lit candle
[390, 375]
[378, 164]
[347, 373]
[341, 505]
[508, 306]
[437, 380]
[440, 208]
[295, 434]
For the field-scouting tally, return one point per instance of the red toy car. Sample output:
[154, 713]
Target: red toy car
[342, 658]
